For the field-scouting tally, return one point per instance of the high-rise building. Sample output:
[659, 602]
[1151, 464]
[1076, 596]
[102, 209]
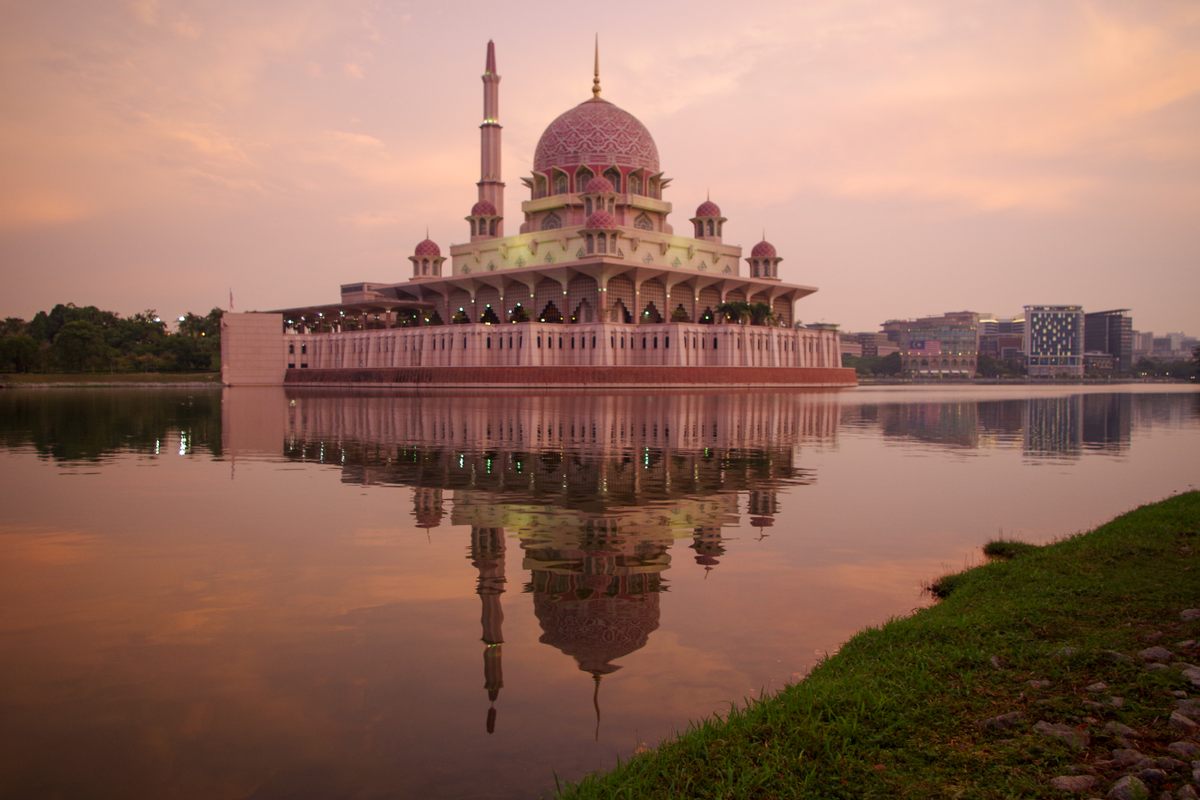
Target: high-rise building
[1054, 341]
[1110, 332]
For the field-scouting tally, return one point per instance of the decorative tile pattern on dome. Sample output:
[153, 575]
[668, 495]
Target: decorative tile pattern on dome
[596, 132]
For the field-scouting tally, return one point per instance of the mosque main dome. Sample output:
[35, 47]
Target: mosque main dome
[596, 132]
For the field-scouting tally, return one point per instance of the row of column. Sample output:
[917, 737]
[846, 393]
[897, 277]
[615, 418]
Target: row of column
[534, 344]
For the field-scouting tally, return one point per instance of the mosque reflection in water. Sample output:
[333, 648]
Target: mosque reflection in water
[595, 490]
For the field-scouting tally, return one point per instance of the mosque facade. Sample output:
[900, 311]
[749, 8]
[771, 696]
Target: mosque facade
[595, 287]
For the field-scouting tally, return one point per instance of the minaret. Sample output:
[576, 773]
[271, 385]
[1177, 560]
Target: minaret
[489, 222]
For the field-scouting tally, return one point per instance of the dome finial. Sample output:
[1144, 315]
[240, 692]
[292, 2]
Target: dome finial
[596, 70]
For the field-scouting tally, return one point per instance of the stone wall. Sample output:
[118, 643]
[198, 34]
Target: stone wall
[252, 349]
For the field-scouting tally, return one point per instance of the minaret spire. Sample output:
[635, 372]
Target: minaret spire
[596, 71]
[487, 215]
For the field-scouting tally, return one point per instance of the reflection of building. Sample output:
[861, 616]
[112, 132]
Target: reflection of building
[1054, 341]
[596, 490]
[595, 288]
[1042, 426]
[1054, 425]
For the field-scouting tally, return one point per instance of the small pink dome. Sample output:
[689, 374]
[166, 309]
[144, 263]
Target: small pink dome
[484, 208]
[427, 247]
[763, 249]
[601, 219]
[708, 209]
[598, 185]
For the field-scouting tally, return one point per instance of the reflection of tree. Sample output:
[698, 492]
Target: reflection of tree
[90, 424]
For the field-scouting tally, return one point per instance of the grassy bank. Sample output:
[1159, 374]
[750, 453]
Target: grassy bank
[947, 702]
[107, 378]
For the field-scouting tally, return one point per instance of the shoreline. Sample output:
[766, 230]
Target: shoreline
[1069, 668]
[109, 380]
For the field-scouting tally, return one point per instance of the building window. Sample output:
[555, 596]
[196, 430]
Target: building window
[551, 222]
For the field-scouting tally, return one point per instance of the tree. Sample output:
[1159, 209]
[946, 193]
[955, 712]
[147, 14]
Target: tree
[19, 353]
[79, 345]
[735, 311]
[761, 314]
[890, 364]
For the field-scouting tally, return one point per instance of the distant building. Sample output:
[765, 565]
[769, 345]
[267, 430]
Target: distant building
[1110, 332]
[1143, 344]
[1002, 339]
[1054, 341]
[872, 345]
[945, 346]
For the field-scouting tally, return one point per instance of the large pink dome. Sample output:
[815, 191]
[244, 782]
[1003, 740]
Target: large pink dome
[596, 132]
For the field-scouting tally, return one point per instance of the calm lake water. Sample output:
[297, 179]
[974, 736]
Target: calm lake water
[260, 594]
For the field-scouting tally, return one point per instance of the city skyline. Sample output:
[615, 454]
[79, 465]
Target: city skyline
[163, 155]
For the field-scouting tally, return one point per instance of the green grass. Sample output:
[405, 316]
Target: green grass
[898, 712]
[1007, 548]
[105, 378]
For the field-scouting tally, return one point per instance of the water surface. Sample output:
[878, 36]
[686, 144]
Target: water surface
[266, 594]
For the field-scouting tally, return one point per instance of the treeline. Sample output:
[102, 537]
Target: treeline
[72, 338]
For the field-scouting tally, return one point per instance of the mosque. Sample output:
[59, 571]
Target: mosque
[595, 288]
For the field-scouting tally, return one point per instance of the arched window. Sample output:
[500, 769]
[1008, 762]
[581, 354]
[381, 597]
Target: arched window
[591, 244]
[492, 227]
[643, 223]
[582, 176]
[710, 227]
[603, 246]
[699, 229]
[635, 184]
[560, 183]
[587, 207]
[614, 177]
[551, 222]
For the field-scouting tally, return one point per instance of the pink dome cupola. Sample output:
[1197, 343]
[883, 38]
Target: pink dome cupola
[708, 221]
[600, 234]
[598, 196]
[485, 220]
[764, 261]
[427, 259]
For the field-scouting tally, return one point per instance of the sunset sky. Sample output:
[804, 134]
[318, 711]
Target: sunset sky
[907, 158]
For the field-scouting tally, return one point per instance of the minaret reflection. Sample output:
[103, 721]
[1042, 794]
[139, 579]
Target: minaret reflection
[487, 556]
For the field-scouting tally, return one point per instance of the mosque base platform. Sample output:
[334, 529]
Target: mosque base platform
[566, 377]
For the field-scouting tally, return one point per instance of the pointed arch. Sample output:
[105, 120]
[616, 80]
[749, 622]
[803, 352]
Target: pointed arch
[614, 177]
[651, 314]
[583, 312]
[560, 182]
[642, 222]
[582, 176]
[551, 221]
[617, 312]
